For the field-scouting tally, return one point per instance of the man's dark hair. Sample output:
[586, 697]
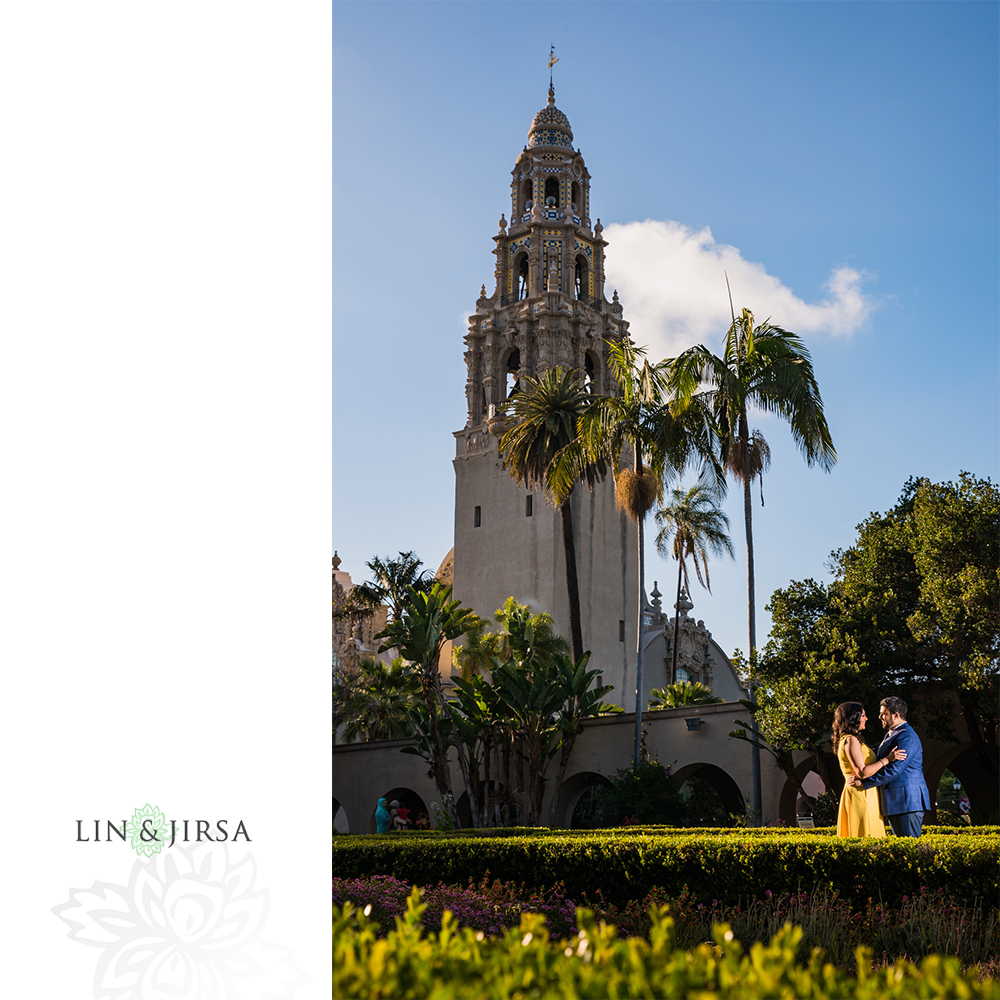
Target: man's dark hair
[895, 705]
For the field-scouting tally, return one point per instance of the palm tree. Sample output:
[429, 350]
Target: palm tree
[425, 623]
[391, 583]
[698, 527]
[381, 704]
[661, 440]
[541, 452]
[770, 368]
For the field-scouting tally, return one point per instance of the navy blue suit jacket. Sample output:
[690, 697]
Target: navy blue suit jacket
[901, 784]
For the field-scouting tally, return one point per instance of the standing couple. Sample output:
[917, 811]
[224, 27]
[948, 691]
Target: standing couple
[896, 770]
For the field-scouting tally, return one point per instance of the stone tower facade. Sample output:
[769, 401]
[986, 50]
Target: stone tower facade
[547, 309]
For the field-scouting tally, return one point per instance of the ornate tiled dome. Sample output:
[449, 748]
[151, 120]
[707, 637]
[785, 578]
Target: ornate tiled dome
[550, 127]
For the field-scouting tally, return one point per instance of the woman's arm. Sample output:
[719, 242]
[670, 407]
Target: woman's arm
[867, 770]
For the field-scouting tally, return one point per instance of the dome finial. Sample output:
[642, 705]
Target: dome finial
[552, 96]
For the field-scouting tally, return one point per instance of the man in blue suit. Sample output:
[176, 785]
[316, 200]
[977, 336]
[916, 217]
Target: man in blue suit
[901, 783]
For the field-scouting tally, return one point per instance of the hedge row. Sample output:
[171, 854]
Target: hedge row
[687, 831]
[523, 963]
[723, 866]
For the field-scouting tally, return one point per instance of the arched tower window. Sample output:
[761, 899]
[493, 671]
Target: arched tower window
[552, 191]
[576, 196]
[521, 277]
[513, 367]
[525, 200]
[581, 281]
[590, 370]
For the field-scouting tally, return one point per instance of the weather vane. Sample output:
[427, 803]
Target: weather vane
[553, 59]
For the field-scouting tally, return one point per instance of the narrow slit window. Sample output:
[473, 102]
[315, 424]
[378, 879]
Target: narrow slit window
[621, 625]
[478, 520]
[527, 505]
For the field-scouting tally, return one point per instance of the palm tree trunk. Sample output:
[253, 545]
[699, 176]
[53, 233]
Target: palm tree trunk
[677, 620]
[442, 777]
[572, 580]
[463, 763]
[638, 631]
[752, 638]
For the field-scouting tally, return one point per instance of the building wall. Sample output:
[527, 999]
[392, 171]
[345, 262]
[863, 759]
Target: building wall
[512, 555]
[362, 772]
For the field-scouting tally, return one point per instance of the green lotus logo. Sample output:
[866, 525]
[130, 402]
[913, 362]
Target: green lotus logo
[150, 830]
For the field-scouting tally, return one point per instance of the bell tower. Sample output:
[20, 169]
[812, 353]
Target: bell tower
[547, 309]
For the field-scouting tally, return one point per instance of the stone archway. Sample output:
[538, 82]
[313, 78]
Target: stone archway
[722, 782]
[341, 823]
[981, 788]
[790, 790]
[408, 799]
[573, 789]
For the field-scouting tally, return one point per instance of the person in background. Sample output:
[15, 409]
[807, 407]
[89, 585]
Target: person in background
[381, 818]
[400, 817]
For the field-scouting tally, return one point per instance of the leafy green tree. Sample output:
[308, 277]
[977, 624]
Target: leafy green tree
[769, 368]
[660, 440]
[696, 526]
[426, 621]
[954, 535]
[541, 451]
[682, 694]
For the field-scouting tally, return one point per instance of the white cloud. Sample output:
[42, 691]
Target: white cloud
[670, 280]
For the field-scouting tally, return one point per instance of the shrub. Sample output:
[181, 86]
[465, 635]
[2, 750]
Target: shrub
[522, 962]
[625, 865]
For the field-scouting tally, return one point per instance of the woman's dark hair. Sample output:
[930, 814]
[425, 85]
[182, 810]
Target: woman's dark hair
[846, 720]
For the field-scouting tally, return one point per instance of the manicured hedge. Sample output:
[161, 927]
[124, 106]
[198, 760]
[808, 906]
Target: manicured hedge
[624, 866]
[523, 963]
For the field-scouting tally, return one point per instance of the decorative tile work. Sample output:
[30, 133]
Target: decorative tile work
[550, 116]
[524, 241]
[550, 137]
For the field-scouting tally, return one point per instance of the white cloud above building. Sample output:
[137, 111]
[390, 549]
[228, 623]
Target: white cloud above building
[671, 281]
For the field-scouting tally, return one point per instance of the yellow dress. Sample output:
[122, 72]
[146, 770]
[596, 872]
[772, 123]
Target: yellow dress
[859, 814]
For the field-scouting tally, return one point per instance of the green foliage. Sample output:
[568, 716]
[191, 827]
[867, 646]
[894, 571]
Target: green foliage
[647, 794]
[391, 583]
[723, 864]
[426, 621]
[457, 962]
[379, 701]
[692, 525]
[681, 694]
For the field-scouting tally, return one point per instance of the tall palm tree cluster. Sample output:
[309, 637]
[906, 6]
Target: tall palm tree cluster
[688, 412]
[519, 702]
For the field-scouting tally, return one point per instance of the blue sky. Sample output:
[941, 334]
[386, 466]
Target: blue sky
[840, 160]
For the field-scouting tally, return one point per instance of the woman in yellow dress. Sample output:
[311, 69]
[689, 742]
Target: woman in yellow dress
[859, 814]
